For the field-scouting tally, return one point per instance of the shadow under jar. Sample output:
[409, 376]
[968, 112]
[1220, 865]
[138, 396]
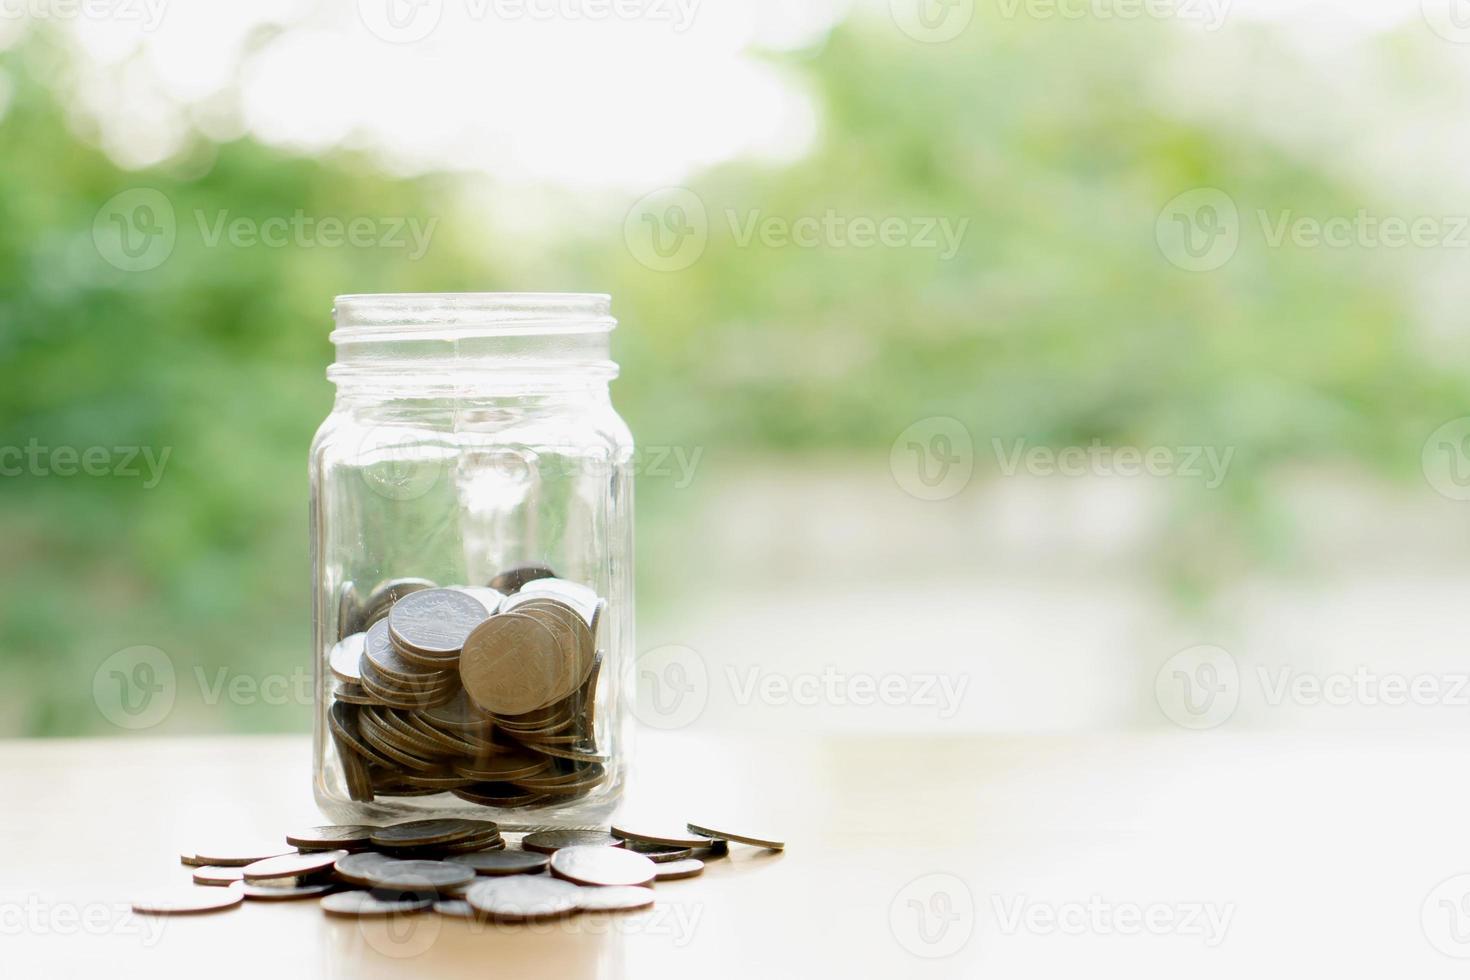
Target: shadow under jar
[472, 554]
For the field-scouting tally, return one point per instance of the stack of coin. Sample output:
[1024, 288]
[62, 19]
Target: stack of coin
[459, 868]
[484, 692]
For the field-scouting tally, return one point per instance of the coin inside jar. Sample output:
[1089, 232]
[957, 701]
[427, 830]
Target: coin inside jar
[435, 622]
[512, 664]
[512, 579]
[346, 658]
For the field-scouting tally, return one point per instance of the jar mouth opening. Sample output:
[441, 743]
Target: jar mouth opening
[426, 316]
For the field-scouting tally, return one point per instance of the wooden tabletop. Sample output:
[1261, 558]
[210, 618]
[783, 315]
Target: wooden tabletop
[1137, 856]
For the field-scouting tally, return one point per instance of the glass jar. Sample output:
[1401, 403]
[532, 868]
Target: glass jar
[472, 553]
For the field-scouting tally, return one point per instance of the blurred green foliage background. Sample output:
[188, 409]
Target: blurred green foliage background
[1058, 321]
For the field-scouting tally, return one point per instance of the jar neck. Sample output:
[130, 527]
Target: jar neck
[472, 347]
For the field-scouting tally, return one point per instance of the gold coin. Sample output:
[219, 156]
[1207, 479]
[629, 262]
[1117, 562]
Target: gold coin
[512, 664]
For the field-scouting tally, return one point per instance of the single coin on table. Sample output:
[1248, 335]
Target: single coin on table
[332, 837]
[188, 900]
[502, 862]
[426, 833]
[232, 855]
[356, 868]
[211, 875]
[367, 904]
[550, 841]
[596, 865]
[657, 834]
[521, 897]
[708, 830]
[419, 876]
[286, 893]
[614, 898]
[455, 908]
[660, 853]
[293, 865]
[687, 868]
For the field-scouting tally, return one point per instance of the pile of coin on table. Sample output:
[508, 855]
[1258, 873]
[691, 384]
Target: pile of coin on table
[459, 868]
[488, 692]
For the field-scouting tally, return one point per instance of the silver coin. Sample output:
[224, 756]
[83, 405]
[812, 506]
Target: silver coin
[281, 893]
[435, 622]
[455, 908]
[615, 898]
[293, 865]
[216, 876]
[687, 868]
[496, 863]
[187, 900]
[364, 904]
[522, 897]
[345, 660]
[419, 876]
[602, 866]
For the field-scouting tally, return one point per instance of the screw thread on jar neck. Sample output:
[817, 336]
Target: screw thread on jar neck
[483, 341]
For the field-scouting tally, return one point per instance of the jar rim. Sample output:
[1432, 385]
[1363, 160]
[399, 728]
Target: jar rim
[380, 316]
